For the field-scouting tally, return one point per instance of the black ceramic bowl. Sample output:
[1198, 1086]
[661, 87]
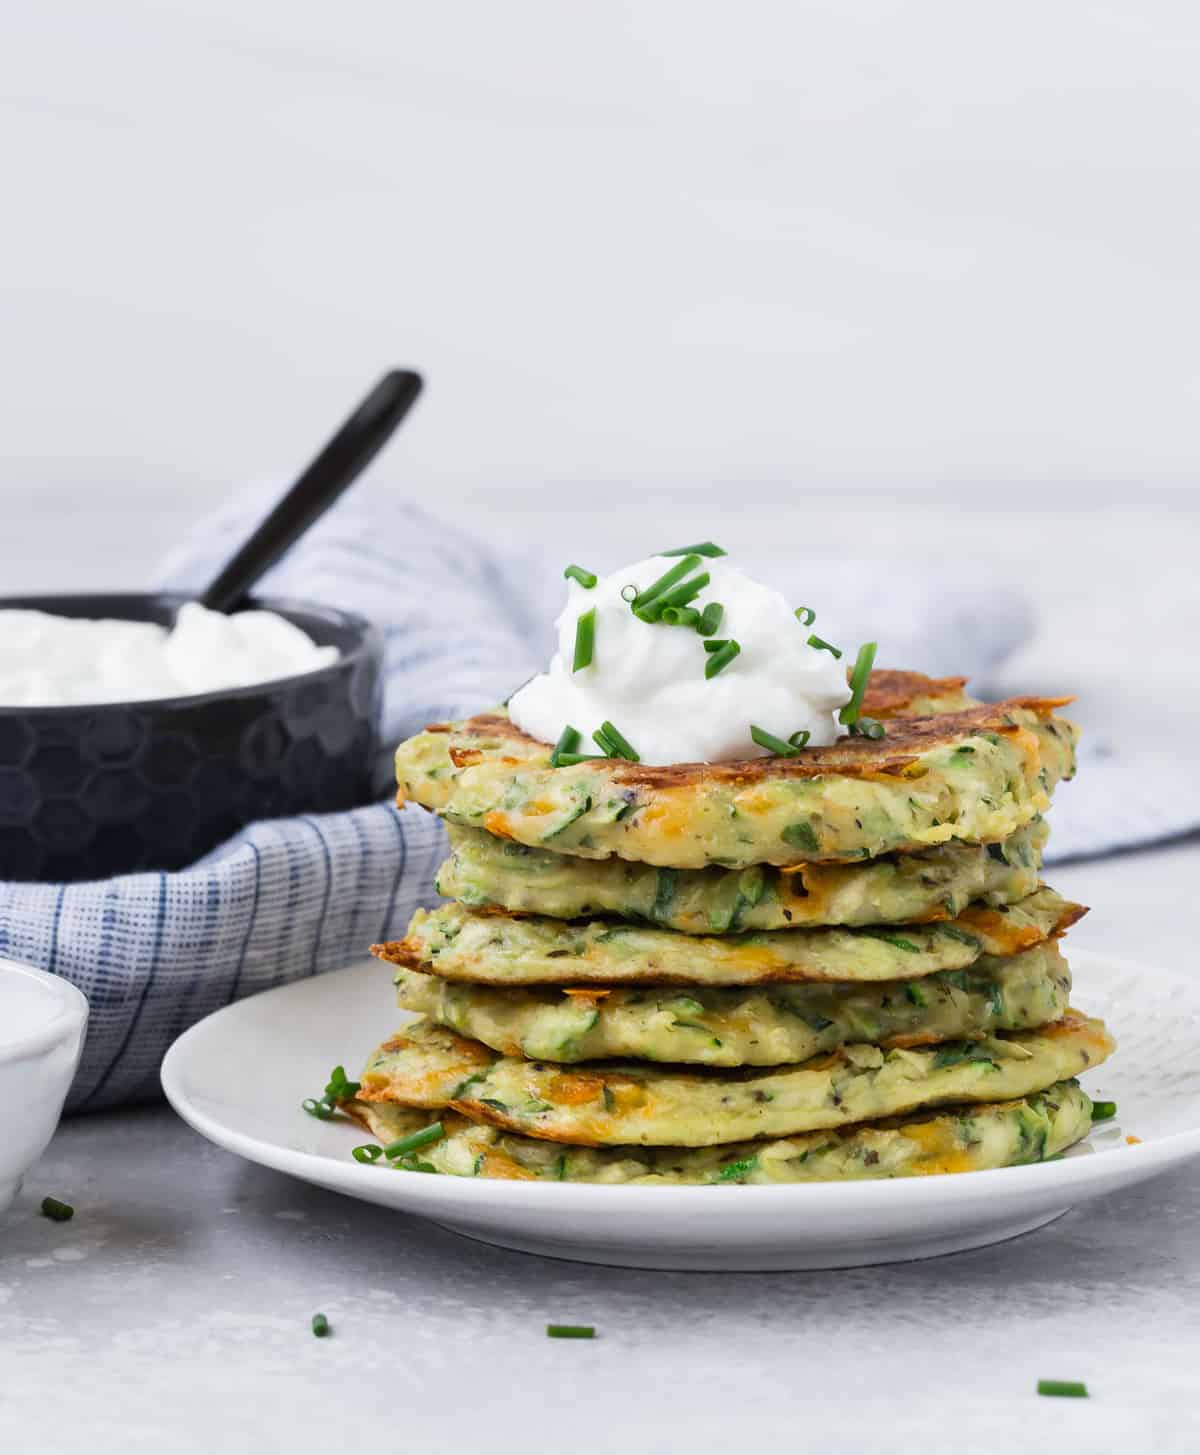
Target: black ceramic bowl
[86, 792]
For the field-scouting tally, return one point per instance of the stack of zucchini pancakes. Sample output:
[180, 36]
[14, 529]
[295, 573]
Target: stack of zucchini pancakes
[836, 964]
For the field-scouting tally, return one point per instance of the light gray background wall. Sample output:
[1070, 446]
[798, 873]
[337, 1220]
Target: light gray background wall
[657, 251]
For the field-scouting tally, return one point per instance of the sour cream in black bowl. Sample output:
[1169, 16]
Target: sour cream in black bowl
[163, 764]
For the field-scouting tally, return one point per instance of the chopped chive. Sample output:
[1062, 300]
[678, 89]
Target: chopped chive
[568, 742]
[369, 1153]
[322, 1109]
[721, 659]
[570, 1331]
[677, 596]
[714, 644]
[339, 1087]
[587, 579]
[823, 646]
[680, 616]
[868, 727]
[585, 640]
[710, 618]
[859, 676]
[320, 1326]
[56, 1211]
[800, 739]
[778, 746]
[665, 582]
[805, 615]
[629, 593]
[433, 1133]
[1063, 1388]
[705, 548]
[1103, 1111]
[568, 760]
[614, 743]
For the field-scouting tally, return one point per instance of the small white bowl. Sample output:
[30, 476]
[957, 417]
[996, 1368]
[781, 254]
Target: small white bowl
[42, 1023]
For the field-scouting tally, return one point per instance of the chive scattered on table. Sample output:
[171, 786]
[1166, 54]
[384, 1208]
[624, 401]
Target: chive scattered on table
[587, 579]
[56, 1211]
[320, 1326]
[585, 640]
[1063, 1388]
[720, 657]
[570, 1331]
[1103, 1111]
[805, 615]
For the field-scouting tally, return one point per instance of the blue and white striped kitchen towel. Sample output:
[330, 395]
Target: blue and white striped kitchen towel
[465, 622]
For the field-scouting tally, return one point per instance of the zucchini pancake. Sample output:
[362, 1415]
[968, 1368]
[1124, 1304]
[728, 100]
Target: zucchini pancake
[728, 908]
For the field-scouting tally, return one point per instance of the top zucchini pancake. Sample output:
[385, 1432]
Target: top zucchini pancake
[973, 773]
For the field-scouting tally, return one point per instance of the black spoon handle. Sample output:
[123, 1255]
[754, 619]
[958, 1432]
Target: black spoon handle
[338, 465]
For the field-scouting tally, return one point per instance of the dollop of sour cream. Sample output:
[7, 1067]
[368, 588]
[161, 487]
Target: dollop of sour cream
[648, 680]
[60, 661]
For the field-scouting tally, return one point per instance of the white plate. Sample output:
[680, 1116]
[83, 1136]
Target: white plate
[239, 1077]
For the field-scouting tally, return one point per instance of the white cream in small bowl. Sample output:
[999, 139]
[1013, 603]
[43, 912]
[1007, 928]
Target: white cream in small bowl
[63, 661]
[43, 1019]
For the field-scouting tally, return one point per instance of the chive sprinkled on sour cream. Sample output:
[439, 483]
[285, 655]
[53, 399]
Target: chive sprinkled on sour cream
[320, 1326]
[680, 616]
[823, 646]
[645, 598]
[677, 596]
[568, 742]
[683, 653]
[56, 1211]
[859, 675]
[585, 640]
[710, 619]
[570, 1331]
[705, 548]
[775, 745]
[587, 579]
[719, 659]
[614, 744]
[1063, 1388]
